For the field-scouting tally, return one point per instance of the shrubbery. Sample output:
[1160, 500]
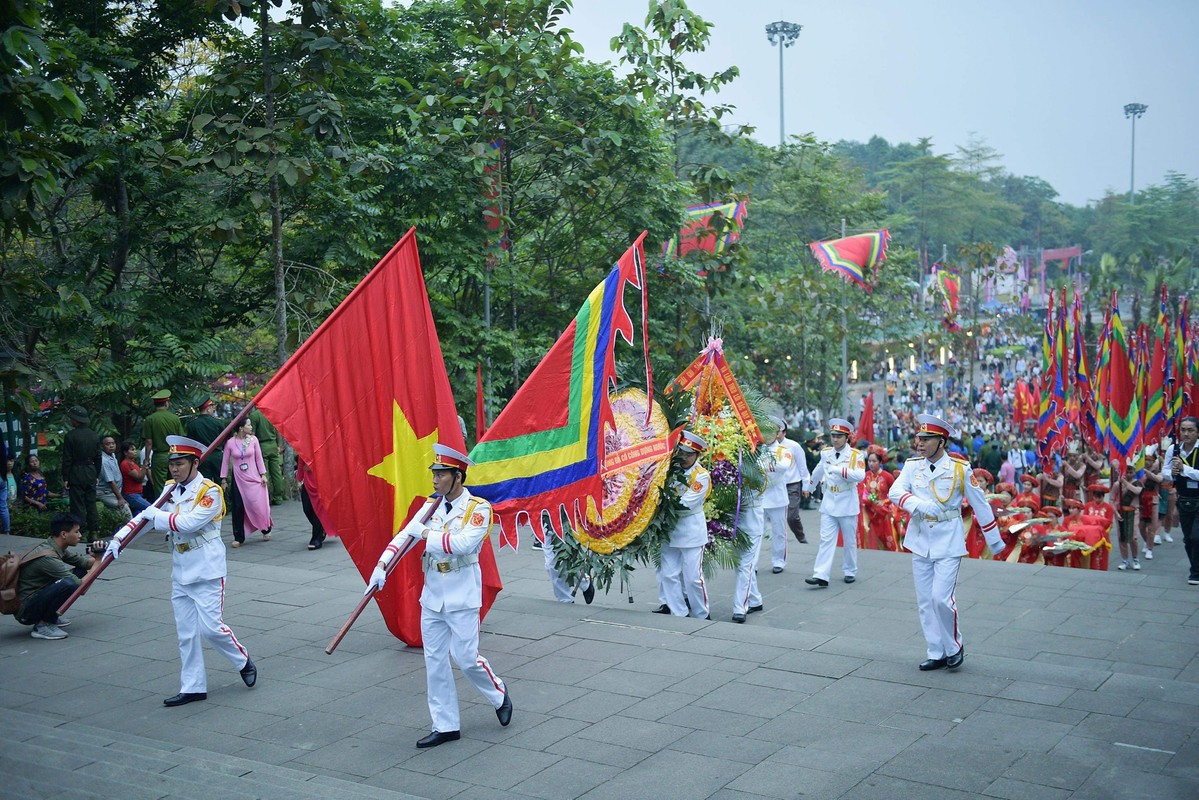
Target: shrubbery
[36, 525]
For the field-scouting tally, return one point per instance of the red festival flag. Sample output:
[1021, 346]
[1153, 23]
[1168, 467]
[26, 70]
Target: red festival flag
[363, 401]
[855, 258]
[866, 423]
[1124, 405]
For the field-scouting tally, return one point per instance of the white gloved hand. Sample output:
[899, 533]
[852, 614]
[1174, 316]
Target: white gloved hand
[996, 548]
[927, 508]
[114, 548]
[378, 578]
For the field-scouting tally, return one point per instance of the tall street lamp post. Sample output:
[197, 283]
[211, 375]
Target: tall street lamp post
[1132, 111]
[784, 35]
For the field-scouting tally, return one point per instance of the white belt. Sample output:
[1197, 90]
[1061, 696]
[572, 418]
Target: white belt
[944, 516]
[197, 542]
[449, 563]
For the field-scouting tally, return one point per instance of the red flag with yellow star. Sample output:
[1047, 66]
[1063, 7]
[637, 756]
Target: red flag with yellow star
[363, 401]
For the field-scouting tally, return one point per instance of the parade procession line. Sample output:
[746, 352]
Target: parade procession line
[1076, 684]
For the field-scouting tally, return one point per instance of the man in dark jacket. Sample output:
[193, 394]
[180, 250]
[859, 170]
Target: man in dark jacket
[81, 467]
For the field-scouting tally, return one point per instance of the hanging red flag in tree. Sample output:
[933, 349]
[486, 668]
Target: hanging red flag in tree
[367, 424]
[855, 258]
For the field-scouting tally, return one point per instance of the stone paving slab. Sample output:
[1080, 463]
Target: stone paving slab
[1076, 684]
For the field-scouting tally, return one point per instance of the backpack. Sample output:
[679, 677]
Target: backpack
[10, 576]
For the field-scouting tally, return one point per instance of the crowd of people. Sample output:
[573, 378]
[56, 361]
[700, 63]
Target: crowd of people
[124, 476]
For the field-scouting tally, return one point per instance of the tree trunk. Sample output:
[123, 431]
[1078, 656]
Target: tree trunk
[268, 107]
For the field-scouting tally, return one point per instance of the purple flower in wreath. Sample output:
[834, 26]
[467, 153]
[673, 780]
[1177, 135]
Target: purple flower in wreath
[718, 529]
[724, 473]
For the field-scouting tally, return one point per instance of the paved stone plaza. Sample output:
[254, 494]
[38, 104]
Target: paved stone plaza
[1076, 684]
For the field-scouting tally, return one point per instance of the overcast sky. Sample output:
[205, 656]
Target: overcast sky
[1043, 82]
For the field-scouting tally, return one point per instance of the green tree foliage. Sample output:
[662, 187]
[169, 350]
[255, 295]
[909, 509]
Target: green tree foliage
[189, 187]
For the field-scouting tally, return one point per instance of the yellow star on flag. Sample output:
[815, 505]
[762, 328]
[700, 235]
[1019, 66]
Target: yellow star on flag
[406, 467]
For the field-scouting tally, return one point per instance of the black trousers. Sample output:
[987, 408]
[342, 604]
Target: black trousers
[42, 605]
[1188, 517]
[82, 496]
[794, 504]
[318, 530]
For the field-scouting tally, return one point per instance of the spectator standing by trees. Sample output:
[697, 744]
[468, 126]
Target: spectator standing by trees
[108, 488]
[81, 468]
[204, 427]
[155, 430]
[272, 445]
[6, 486]
[132, 476]
[248, 496]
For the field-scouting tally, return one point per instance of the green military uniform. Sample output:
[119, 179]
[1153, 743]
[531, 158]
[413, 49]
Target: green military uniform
[157, 427]
[80, 468]
[270, 441]
[204, 428]
[44, 566]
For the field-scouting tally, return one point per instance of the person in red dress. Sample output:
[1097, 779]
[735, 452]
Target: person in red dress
[876, 523]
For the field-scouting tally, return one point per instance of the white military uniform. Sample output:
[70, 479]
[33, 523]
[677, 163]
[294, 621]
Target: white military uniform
[839, 472]
[450, 602]
[682, 560]
[932, 494]
[745, 593]
[778, 462]
[192, 516]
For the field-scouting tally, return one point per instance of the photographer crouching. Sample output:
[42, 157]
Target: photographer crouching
[49, 574]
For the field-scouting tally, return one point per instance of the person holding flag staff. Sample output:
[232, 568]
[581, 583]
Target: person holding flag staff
[840, 470]
[680, 574]
[931, 487]
[452, 597]
[1182, 468]
[191, 515]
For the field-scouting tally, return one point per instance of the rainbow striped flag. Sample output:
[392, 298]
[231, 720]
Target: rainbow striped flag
[1178, 374]
[1103, 371]
[545, 451]
[854, 256]
[1124, 407]
[1156, 379]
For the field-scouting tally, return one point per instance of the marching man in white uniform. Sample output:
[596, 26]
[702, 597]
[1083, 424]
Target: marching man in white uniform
[681, 571]
[452, 596]
[931, 488]
[746, 597]
[840, 469]
[779, 464]
[192, 518]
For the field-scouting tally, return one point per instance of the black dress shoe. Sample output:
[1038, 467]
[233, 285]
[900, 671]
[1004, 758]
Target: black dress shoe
[776, 570]
[589, 592]
[850, 579]
[183, 698]
[662, 609]
[504, 712]
[955, 660]
[739, 618]
[821, 582]
[249, 673]
[438, 737]
[931, 664]
[755, 609]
